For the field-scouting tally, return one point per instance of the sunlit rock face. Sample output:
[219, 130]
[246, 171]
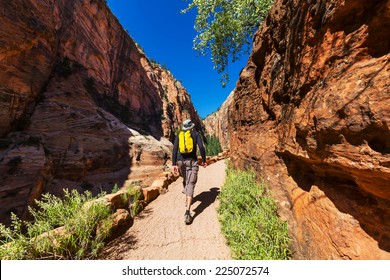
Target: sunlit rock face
[311, 114]
[217, 123]
[76, 96]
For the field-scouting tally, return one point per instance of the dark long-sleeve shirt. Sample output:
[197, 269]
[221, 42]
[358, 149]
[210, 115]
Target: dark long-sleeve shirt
[176, 155]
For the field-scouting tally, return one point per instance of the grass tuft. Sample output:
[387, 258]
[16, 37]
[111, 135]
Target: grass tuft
[249, 219]
[61, 229]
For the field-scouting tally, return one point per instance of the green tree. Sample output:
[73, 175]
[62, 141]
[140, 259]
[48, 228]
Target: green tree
[213, 147]
[226, 27]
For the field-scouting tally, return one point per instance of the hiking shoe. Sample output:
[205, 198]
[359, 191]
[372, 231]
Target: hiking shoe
[188, 219]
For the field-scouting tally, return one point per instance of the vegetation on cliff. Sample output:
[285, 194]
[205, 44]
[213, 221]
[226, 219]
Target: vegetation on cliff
[226, 29]
[250, 220]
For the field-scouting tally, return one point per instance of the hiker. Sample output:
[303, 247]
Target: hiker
[185, 161]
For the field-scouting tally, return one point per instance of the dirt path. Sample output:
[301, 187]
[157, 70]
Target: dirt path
[159, 232]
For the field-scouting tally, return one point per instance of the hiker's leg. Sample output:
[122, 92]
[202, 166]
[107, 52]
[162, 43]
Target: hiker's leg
[192, 178]
[189, 202]
[182, 172]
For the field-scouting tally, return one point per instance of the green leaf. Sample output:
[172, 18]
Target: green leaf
[226, 28]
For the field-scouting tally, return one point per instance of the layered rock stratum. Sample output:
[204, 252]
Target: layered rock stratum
[217, 123]
[81, 106]
[311, 114]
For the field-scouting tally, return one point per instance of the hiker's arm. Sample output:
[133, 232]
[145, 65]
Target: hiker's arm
[201, 149]
[174, 155]
[174, 152]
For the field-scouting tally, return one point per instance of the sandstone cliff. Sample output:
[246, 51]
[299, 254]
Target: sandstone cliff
[80, 106]
[217, 123]
[311, 114]
[177, 104]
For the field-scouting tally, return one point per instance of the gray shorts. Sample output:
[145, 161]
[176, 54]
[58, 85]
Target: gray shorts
[188, 169]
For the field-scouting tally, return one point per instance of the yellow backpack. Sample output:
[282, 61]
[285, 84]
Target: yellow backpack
[186, 143]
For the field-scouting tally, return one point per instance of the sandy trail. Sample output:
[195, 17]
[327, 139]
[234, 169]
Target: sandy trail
[159, 232]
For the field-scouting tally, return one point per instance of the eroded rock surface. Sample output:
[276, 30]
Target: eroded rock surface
[76, 97]
[311, 114]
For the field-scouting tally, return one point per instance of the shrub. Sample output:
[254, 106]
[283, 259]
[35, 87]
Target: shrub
[249, 219]
[135, 204]
[61, 229]
[132, 196]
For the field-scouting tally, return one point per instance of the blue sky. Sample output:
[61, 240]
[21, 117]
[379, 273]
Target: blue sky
[166, 35]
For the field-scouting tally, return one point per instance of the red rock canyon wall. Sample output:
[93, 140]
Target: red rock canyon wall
[311, 114]
[217, 123]
[72, 84]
